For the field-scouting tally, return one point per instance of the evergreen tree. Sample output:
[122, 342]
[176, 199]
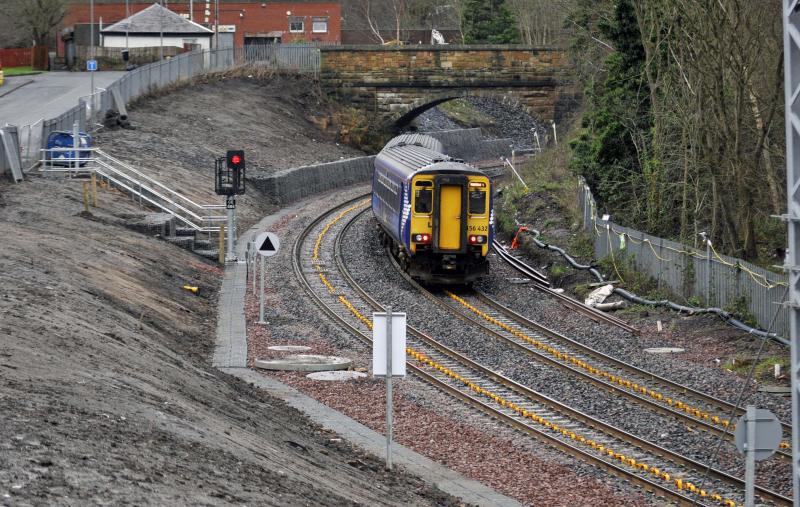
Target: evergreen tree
[611, 152]
[488, 21]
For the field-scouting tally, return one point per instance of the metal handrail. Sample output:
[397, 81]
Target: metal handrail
[107, 170]
[157, 183]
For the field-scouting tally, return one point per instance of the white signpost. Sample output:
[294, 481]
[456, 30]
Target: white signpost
[389, 360]
[758, 433]
[266, 245]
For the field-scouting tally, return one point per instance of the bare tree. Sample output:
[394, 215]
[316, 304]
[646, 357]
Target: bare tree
[36, 19]
[541, 22]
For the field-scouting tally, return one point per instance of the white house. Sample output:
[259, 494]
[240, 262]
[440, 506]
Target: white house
[145, 28]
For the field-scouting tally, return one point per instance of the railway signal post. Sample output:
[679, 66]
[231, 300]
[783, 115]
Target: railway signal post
[230, 182]
[389, 360]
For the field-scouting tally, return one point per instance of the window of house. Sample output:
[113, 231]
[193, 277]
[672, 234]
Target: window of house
[297, 24]
[319, 25]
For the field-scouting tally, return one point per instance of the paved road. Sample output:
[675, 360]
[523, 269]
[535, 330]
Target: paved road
[26, 99]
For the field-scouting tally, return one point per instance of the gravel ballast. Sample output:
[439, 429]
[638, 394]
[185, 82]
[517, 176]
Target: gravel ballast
[492, 453]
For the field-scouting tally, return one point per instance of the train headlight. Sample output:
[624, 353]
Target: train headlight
[421, 238]
[477, 240]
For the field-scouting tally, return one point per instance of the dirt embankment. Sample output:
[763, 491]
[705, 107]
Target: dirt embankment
[178, 135]
[106, 392]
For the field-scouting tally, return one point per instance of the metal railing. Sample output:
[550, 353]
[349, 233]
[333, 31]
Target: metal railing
[118, 174]
[715, 279]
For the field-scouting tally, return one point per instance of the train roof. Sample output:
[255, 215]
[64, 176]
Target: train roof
[422, 140]
[410, 159]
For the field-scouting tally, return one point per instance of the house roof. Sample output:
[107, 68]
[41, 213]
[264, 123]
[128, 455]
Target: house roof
[156, 19]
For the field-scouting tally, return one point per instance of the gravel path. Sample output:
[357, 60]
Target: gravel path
[427, 421]
[372, 269]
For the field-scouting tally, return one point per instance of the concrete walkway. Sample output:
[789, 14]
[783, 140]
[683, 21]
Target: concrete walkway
[230, 356]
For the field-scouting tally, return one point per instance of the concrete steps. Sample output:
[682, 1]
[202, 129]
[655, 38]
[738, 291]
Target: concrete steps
[167, 227]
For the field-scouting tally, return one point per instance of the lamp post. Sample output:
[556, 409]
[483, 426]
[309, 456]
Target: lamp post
[161, 30]
[91, 46]
[127, 25]
[216, 24]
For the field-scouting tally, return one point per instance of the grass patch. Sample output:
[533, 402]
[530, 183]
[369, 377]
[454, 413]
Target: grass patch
[20, 71]
[507, 211]
[462, 112]
[549, 172]
[764, 368]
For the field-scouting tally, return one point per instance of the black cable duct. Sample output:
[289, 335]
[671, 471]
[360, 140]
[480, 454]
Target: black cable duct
[726, 316]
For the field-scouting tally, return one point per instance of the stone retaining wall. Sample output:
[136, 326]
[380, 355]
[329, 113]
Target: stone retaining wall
[293, 184]
[470, 145]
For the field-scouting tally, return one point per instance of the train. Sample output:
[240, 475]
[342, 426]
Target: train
[433, 211]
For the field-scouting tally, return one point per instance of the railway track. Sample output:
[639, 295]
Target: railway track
[541, 284]
[322, 272]
[706, 412]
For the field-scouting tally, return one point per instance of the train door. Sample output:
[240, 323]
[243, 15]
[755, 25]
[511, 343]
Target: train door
[450, 218]
[449, 215]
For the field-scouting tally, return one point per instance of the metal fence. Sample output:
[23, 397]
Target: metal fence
[716, 280]
[158, 75]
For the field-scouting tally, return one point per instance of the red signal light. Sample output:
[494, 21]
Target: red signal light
[236, 159]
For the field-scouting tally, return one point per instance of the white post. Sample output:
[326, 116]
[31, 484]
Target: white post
[261, 293]
[750, 458]
[555, 134]
[516, 173]
[75, 144]
[538, 144]
[389, 387]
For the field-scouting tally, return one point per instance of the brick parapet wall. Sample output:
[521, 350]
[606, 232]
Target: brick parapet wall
[393, 82]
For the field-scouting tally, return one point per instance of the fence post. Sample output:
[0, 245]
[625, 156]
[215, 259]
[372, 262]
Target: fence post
[708, 272]
[660, 262]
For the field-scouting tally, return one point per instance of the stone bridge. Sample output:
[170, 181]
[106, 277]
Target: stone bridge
[397, 84]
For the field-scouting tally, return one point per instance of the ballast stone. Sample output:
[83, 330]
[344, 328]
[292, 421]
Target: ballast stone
[304, 362]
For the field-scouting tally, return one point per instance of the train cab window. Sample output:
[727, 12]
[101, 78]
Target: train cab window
[423, 200]
[477, 202]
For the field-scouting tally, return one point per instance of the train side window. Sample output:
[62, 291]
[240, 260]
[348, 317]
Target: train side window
[423, 200]
[477, 202]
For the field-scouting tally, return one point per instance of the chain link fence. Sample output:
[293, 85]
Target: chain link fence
[712, 279]
[153, 77]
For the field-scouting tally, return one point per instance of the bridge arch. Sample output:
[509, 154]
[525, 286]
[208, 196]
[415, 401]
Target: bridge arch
[400, 119]
[394, 85]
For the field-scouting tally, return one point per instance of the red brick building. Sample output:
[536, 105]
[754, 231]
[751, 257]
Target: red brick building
[241, 21]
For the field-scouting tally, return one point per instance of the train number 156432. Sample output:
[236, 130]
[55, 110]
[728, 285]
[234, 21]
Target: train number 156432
[478, 228]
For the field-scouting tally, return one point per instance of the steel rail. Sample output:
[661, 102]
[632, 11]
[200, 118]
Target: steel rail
[646, 483]
[719, 403]
[567, 301]
[568, 412]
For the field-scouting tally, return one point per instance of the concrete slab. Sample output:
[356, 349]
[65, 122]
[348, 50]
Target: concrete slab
[304, 362]
[445, 479]
[780, 390]
[336, 376]
[664, 350]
